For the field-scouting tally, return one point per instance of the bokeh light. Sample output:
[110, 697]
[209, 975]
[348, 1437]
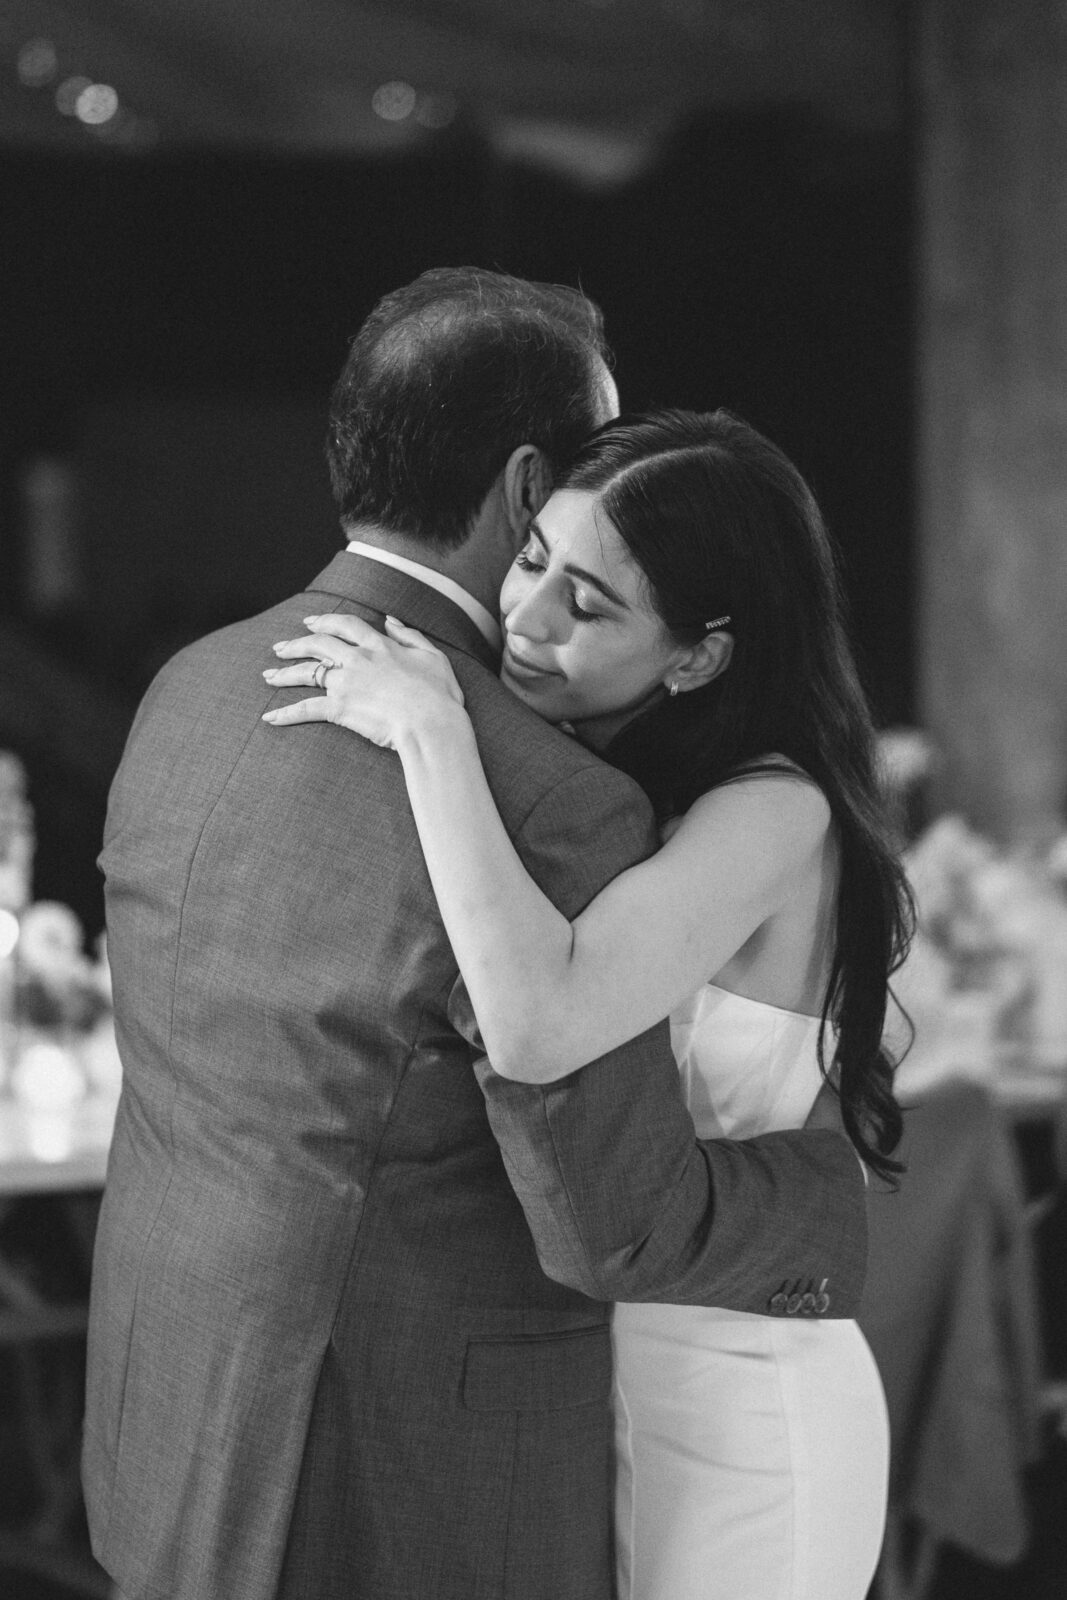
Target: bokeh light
[37, 63]
[394, 101]
[96, 105]
[68, 92]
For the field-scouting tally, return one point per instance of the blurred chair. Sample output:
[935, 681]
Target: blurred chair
[1046, 1213]
[40, 1335]
[951, 1315]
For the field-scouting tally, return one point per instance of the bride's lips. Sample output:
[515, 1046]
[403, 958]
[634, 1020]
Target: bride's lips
[525, 670]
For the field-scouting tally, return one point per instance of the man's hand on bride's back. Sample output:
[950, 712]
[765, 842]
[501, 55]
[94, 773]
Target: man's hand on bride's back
[826, 1113]
[384, 686]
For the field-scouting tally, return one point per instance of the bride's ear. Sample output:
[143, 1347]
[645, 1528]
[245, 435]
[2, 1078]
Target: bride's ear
[527, 484]
[702, 662]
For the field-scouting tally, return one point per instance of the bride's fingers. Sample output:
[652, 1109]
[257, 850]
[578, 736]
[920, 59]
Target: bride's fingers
[314, 710]
[409, 636]
[343, 625]
[299, 672]
[319, 645]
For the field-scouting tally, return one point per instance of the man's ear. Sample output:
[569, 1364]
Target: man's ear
[526, 485]
[703, 661]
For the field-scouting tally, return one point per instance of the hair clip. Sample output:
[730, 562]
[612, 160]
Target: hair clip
[717, 622]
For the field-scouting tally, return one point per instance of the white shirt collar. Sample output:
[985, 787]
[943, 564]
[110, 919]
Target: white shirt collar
[484, 621]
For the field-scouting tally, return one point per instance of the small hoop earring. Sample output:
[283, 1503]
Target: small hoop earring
[672, 688]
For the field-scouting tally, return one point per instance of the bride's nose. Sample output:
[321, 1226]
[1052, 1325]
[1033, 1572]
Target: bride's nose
[531, 617]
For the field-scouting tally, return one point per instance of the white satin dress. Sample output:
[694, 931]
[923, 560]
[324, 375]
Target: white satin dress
[752, 1452]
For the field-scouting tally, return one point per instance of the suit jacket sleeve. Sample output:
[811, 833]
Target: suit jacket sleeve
[623, 1200]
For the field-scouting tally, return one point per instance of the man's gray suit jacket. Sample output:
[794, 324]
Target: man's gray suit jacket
[349, 1329]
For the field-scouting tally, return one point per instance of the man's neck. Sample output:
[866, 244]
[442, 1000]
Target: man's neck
[466, 566]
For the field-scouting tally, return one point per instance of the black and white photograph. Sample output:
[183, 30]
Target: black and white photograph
[533, 800]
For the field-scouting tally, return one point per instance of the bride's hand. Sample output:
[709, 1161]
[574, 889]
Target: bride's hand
[382, 686]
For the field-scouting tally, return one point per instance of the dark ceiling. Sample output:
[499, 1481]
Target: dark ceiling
[588, 86]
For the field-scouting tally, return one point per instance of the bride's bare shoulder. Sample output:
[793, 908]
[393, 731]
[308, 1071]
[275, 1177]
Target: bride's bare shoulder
[778, 805]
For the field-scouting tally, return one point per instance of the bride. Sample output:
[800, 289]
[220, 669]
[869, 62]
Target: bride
[676, 609]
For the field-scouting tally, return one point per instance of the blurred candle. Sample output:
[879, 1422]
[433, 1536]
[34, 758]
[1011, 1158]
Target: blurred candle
[47, 1078]
[50, 1136]
[9, 935]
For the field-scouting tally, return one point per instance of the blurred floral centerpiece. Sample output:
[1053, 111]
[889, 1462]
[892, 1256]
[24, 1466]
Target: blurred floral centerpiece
[985, 983]
[57, 1041]
[62, 1012]
[16, 835]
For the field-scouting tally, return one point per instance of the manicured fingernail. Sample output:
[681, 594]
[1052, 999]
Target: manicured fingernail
[269, 716]
[309, 620]
[394, 620]
[270, 672]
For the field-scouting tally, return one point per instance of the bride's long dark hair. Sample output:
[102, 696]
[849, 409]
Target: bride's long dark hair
[721, 523]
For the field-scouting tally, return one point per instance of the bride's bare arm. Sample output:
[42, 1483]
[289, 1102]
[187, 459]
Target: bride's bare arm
[550, 995]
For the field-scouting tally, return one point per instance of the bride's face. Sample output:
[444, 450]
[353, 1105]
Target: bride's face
[582, 642]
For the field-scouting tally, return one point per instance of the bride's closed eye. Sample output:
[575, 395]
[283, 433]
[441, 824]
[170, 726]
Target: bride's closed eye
[580, 613]
[525, 562]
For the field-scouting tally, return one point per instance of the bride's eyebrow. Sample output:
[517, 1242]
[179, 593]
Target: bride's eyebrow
[534, 527]
[572, 571]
